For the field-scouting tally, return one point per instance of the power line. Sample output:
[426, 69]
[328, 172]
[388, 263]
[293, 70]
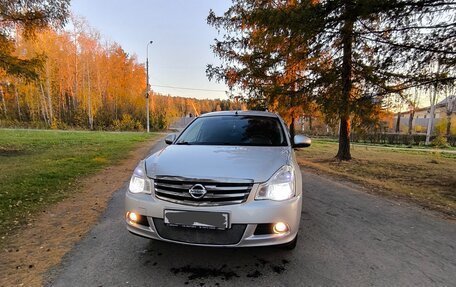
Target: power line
[191, 89]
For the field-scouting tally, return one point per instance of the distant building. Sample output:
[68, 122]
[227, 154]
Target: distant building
[422, 115]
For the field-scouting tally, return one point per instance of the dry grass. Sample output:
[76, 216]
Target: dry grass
[426, 178]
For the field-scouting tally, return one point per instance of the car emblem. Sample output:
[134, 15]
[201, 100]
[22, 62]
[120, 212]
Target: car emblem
[197, 191]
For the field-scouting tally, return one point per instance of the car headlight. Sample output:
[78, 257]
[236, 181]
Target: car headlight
[279, 187]
[139, 182]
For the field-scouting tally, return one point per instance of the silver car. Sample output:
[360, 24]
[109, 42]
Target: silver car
[228, 179]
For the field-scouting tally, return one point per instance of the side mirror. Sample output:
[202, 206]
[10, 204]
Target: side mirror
[170, 138]
[301, 141]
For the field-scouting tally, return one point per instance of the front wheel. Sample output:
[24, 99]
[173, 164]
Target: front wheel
[290, 245]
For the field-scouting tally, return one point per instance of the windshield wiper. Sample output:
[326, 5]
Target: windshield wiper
[183, 143]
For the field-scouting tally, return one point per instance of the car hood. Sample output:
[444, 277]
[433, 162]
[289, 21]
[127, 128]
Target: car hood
[218, 162]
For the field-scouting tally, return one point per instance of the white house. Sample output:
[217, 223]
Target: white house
[422, 115]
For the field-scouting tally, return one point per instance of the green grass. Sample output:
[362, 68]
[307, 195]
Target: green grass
[427, 178]
[38, 168]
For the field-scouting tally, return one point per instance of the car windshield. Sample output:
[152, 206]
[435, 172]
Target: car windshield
[234, 130]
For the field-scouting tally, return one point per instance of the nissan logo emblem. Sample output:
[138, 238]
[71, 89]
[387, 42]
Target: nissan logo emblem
[197, 191]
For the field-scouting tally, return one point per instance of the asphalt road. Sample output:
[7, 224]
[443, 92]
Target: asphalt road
[347, 238]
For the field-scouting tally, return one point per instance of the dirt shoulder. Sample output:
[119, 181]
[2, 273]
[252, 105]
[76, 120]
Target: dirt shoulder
[29, 253]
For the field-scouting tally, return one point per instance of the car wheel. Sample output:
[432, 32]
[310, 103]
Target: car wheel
[290, 245]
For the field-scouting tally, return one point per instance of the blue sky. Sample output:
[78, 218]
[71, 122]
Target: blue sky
[180, 52]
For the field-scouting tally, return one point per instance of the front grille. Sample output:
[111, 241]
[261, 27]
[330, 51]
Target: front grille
[218, 193]
[200, 236]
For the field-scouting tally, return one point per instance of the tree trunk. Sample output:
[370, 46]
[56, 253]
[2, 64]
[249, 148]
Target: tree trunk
[89, 99]
[75, 88]
[450, 107]
[310, 123]
[5, 111]
[448, 127]
[398, 122]
[115, 107]
[61, 102]
[410, 125]
[344, 140]
[292, 130]
[347, 83]
[44, 109]
[430, 125]
[19, 113]
[49, 98]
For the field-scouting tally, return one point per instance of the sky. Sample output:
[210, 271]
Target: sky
[181, 39]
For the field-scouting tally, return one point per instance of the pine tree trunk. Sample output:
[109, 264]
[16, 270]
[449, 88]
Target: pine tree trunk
[347, 83]
[344, 140]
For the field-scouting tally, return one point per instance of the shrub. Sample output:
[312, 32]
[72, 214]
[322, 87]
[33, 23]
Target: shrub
[138, 126]
[440, 141]
[440, 127]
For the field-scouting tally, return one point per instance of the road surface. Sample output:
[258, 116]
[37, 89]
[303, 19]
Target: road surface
[347, 238]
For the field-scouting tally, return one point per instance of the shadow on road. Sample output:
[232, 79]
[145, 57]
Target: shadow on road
[212, 266]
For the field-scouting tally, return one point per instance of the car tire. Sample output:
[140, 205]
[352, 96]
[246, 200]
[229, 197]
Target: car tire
[290, 245]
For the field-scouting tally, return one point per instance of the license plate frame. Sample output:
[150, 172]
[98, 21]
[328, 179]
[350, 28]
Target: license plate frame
[197, 219]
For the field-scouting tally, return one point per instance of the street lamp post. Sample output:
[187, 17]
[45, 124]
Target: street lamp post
[147, 87]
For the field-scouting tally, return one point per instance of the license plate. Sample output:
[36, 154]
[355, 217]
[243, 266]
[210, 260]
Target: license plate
[197, 219]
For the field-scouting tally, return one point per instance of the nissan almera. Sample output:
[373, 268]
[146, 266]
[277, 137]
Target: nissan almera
[228, 179]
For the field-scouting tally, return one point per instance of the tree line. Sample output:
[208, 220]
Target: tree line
[56, 77]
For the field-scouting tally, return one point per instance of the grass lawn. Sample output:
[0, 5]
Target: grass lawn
[426, 178]
[38, 168]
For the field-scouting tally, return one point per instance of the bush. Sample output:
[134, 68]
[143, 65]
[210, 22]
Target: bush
[440, 127]
[399, 139]
[440, 141]
[127, 123]
[138, 126]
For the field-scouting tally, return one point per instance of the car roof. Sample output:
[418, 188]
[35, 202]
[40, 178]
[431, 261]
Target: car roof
[241, 113]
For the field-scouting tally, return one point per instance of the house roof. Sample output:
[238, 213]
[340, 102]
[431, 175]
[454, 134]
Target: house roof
[440, 104]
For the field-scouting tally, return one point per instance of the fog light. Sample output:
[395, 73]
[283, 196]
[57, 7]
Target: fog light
[132, 216]
[280, 228]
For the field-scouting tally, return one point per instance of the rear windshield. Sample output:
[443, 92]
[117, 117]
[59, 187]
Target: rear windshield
[234, 130]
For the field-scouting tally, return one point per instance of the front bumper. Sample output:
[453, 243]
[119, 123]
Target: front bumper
[249, 214]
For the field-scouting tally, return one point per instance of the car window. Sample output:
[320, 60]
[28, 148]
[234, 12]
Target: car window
[192, 134]
[234, 130]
